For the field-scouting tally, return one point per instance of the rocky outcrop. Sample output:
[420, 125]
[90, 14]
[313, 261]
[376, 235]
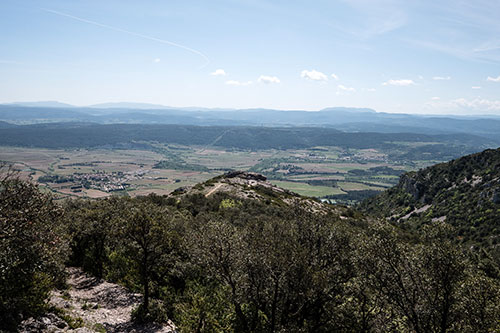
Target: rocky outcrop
[47, 323]
[412, 186]
[246, 175]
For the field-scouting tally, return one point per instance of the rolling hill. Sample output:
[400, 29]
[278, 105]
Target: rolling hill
[88, 135]
[342, 118]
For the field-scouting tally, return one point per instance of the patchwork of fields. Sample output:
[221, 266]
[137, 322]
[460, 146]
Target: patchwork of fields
[333, 173]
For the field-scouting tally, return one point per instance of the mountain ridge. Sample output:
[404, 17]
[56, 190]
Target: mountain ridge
[464, 192]
[342, 118]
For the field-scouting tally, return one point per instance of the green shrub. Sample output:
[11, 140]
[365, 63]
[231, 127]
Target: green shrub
[156, 312]
[33, 247]
[207, 308]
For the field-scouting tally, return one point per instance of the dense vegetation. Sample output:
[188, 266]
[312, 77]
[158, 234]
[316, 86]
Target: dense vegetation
[464, 192]
[71, 135]
[345, 119]
[223, 263]
[33, 248]
[179, 164]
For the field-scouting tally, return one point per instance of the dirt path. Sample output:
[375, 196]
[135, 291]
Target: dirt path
[102, 307]
[213, 190]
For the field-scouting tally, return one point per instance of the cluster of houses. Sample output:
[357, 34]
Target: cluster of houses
[101, 180]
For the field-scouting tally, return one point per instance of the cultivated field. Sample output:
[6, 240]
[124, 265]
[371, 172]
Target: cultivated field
[318, 172]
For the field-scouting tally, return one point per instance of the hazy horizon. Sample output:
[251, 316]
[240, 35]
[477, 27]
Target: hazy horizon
[390, 56]
[152, 106]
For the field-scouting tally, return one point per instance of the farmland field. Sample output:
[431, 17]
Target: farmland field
[309, 190]
[323, 172]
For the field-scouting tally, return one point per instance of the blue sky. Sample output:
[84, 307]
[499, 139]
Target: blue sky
[394, 56]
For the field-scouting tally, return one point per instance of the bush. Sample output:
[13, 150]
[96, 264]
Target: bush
[156, 312]
[33, 248]
[207, 308]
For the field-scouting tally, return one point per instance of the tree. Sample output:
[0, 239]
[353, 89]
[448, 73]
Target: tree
[152, 243]
[94, 227]
[285, 273]
[33, 247]
[426, 283]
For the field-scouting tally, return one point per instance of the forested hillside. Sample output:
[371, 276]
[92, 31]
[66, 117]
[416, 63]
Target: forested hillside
[464, 193]
[88, 135]
[342, 118]
[237, 254]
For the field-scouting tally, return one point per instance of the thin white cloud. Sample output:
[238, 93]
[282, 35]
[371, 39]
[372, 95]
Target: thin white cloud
[476, 87]
[493, 79]
[162, 41]
[478, 104]
[435, 98]
[371, 89]
[313, 75]
[238, 83]
[344, 88]
[441, 78]
[334, 76]
[399, 83]
[465, 106]
[268, 79]
[157, 60]
[378, 18]
[219, 72]
[469, 31]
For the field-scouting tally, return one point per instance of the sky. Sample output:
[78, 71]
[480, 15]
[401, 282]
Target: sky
[411, 56]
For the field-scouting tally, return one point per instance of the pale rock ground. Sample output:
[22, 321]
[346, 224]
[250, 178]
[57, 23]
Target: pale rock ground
[101, 305]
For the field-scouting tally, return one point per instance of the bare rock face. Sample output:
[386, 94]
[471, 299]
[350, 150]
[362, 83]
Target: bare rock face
[48, 323]
[413, 187]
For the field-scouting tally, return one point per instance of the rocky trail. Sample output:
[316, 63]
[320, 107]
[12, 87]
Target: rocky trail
[92, 305]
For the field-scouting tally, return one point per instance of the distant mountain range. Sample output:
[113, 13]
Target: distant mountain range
[43, 104]
[341, 118]
[112, 105]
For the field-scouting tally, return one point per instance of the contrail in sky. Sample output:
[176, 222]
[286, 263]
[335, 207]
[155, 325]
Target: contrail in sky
[163, 41]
